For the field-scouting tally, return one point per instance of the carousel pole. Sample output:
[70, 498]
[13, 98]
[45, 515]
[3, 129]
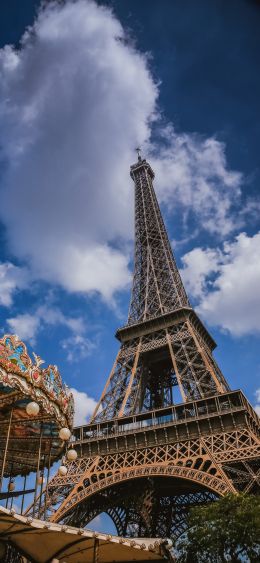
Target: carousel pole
[96, 551]
[24, 487]
[37, 471]
[6, 448]
[41, 490]
[12, 501]
[47, 481]
[9, 488]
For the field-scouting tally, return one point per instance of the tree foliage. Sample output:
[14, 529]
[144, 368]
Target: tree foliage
[223, 531]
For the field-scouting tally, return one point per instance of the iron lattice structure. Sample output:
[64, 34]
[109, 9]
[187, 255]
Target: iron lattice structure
[167, 432]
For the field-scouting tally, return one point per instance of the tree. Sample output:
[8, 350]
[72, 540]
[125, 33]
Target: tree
[225, 530]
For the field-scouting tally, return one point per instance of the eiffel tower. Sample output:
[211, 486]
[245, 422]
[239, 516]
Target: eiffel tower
[167, 433]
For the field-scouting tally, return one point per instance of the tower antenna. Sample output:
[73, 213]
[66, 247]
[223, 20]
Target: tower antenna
[138, 150]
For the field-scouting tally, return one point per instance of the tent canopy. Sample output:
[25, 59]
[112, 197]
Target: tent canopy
[43, 542]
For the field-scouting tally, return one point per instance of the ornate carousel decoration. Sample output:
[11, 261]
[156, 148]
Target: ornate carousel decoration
[36, 418]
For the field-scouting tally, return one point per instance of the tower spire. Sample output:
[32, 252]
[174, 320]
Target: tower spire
[138, 150]
[157, 285]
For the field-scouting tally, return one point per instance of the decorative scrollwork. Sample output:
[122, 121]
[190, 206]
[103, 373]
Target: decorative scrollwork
[17, 370]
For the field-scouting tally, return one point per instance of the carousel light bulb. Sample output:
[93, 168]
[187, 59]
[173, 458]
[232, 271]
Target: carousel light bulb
[72, 454]
[32, 408]
[64, 434]
[63, 470]
[11, 486]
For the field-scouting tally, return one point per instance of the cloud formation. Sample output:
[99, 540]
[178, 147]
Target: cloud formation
[12, 278]
[75, 100]
[78, 347]
[84, 407]
[193, 174]
[28, 325]
[25, 326]
[226, 282]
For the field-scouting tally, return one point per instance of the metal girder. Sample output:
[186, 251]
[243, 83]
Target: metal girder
[145, 459]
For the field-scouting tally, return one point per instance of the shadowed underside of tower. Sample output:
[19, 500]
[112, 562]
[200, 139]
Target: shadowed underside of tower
[167, 432]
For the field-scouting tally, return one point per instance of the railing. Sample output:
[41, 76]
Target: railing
[202, 408]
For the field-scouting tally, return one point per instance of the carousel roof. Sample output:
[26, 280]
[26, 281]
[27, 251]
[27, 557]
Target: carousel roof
[23, 380]
[43, 542]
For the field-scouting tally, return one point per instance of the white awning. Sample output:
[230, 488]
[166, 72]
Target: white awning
[44, 541]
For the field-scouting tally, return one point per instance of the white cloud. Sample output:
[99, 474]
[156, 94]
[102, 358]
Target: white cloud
[75, 101]
[12, 278]
[54, 316]
[198, 265]
[78, 347]
[84, 406]
[27, 325]
[231, 299]
[192, 173]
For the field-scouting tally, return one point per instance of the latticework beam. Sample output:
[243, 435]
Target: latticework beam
[145, 459]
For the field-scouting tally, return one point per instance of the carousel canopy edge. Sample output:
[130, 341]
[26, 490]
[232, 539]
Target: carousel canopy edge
[45, 385]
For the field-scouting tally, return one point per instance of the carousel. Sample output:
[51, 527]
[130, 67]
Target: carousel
[36, 420]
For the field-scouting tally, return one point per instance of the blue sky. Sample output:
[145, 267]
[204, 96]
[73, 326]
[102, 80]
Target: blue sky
[83, 88]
